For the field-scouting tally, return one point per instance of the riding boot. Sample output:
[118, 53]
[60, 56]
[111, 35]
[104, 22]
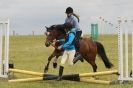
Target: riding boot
[60, 73]
[78, 57]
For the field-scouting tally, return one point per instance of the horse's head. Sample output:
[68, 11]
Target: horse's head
[49, 29]
[52, 33]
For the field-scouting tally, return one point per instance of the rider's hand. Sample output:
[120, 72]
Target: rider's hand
[60, 47]
[54, 40]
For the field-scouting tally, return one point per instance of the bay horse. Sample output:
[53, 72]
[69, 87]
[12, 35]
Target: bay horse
[88, 48]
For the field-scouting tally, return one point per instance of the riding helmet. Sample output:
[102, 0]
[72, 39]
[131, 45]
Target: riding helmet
[69, 10]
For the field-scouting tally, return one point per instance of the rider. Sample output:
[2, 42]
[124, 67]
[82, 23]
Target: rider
[68, 46]
[74, 20]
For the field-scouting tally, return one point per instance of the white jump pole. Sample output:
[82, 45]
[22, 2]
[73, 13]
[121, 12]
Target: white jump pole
[132, 53]
[6, 65]
[4, 48]
[126, 53]
[1, 37]
[123, 55]
[120, 51]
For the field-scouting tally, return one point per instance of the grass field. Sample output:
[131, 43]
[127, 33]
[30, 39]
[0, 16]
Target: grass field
[30, 53]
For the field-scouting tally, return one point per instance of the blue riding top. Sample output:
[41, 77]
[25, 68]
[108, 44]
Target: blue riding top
[68, 42]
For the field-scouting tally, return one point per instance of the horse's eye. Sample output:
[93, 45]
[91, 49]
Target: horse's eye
[45, 33]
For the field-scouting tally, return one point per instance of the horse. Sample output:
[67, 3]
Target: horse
[88, 48]
[56, 53]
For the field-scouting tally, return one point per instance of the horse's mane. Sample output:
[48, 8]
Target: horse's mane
[58, 27]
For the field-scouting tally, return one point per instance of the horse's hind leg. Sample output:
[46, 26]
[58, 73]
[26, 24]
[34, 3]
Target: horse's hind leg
[94, 66]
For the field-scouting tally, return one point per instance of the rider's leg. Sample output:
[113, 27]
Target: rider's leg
[71, 56]
[60, 73]
[78, 57]
[78, 34]
[63, 60]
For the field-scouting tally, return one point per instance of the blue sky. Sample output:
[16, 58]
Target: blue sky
[33, 15]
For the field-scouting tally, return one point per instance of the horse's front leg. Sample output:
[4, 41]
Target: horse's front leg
[55, 61]
[57, 54]
[47, 65]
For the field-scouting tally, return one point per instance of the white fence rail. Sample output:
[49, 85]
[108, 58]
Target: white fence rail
[125, 49]
[4, 47]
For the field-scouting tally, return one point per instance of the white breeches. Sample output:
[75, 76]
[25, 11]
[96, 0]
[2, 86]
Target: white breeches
[68, 55]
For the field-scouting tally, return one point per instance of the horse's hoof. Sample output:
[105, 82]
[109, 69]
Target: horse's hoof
[45, 70]
[59, 78]
[54, 65]
[92, 78]
[82, 60]
[131, 74]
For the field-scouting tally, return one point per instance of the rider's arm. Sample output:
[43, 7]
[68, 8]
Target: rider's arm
[69, 42]
[66, 20]
[61, 40]
[76, 23]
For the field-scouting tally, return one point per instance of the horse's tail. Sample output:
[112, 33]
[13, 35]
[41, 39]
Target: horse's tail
[101, 52]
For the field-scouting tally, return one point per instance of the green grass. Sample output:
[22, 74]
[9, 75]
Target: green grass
[30, 53]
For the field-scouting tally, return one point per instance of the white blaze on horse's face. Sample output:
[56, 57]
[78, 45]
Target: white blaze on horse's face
[47, 33]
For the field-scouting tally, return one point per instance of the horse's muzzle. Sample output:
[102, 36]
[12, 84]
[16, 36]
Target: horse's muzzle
[47, 44]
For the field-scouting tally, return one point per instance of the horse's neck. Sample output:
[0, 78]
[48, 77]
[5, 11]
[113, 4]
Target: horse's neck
[58, 44]
[62, 36]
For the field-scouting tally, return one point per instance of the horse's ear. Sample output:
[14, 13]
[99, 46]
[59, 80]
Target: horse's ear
[54, 26]
[46, 27]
